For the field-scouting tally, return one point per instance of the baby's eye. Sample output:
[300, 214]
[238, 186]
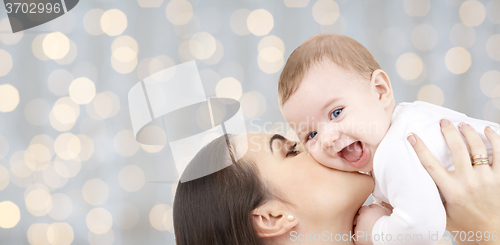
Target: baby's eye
[335, 113]
[312, 135]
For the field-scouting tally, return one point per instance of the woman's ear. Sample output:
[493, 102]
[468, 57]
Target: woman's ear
[381, 84]
[273, 219]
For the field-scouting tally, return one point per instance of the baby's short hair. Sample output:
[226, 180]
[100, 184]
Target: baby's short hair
[342, 50]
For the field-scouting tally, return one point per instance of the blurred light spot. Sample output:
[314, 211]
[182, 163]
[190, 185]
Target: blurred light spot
[325, 12]
[59, 81]
[9, 98]
[105, 105]
[6, 35]
[60, 234]
[125, 143]
[392, 41]
[260, 22]
[70, 56]
[432, 94]
[53, 179]
[95, 192]
[493, 11]
[123, 67]
[217, 56]
[4, 178]
[232, 69]
[417, 7]
[472, 13]
[179, 12]
[22, 181]
[85, 69]
[493, 47]
[160, 217]
[41, 149]
[131, 178]
[113, 22]
[228, 87]
[99, 220]
[150, 3]
[126, 216]
[409, 66]
[462, 35]
[92, 22]
[5, 62]
[67, 146]
[253, 104]
[457, 60]
[87, 147]
[67, 168]
[62, 206]
[18, 165]
[38, 202]
[238, 22]
[40, 152]
[270, 60]
[4, 147]
[490, 81]
[124, 54]
[107, 238]
[63, 115]
[340, 26]
[37, 47]
[296, 3]
[272, 41]
[37, 234]
[55, 45]
[82, 90]
[424, 37]
[10, 214]
[202, 45]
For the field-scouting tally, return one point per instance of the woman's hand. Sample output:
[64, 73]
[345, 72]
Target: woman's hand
[471, 193]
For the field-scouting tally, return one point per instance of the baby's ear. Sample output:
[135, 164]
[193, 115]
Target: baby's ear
[381, 84]
[273, 219]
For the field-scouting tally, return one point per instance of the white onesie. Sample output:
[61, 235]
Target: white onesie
[400, 179]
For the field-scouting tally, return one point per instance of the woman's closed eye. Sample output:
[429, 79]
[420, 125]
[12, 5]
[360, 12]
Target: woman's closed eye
[292, 151]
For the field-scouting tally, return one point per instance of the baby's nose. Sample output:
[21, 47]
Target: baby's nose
[328, 141]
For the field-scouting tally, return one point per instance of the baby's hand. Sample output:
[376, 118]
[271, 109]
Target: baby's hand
[364, 222]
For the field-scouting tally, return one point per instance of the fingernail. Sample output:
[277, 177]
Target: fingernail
[444, 123]
[489, 130]
[462, 125]
[411, 139]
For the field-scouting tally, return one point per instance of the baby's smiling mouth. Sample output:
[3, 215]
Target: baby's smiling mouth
[355, 154]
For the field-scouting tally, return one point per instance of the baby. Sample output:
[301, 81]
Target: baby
[340, 103]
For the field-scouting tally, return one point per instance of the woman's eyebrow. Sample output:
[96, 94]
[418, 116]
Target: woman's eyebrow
[276, 136]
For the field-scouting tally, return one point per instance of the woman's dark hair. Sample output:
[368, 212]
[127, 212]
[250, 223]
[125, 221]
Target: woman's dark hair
[216, 209]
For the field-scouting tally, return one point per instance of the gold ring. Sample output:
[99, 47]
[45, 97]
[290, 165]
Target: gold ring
[479, 156]
[480, 162]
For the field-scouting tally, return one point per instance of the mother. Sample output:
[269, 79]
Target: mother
[275, 194]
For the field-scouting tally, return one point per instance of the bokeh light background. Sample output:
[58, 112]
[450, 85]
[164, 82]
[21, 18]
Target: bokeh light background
[70, 169]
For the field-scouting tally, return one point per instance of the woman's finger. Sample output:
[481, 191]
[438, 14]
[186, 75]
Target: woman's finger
[459, 151]
[437, 172]
[494, 139]
[475, 142]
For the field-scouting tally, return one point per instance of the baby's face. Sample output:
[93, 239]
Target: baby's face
[338, 117]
